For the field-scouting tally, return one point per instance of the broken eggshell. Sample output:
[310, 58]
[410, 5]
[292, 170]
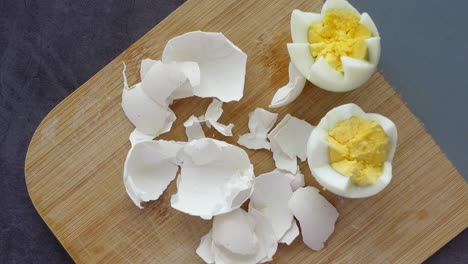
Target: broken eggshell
[193, 129]
[315, 214]
[288, 140]
[260, 122]
[212, 115]
[149, 168]
[222, 64]
[147, 116]
[215, 178]
[290, 91]
[271, 196]
[238, 237]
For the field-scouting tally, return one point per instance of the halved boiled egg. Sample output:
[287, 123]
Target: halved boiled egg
[337, 50]
[350, 152]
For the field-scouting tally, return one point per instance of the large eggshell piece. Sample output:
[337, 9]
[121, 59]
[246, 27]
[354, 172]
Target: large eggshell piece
[215, 178]
[319, 72]
[162, 81]
[146, 115]
[288, 93]
[149, 168]
[235, 231]
[270, 196]
[222, 64]
[260, 122]
[317, 152]
[315, 214]
[239, 237]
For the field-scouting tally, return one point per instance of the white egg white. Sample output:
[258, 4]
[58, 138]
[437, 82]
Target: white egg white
[317, 153]
[320, 73]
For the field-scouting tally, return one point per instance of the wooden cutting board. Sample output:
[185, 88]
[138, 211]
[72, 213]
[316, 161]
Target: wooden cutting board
[75, 159]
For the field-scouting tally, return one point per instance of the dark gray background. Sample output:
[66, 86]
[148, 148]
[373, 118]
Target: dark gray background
[49, 48]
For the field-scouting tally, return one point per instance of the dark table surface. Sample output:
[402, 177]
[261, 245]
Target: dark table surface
[49, 48]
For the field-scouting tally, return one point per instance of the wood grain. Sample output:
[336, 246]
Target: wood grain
[75, 159]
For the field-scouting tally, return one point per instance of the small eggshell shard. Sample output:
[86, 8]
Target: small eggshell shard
[215, 178]
[315, 214]
[149, 168]
[137, 136]
[222, 64]
[354, 72]
[318, 156]
[260, 122]
[270, 196]
[213, 113]
[235, 231]
[288, 141]
[193, 129]
[296, 180]
[291, 234]
[291, 91]
[205, 249]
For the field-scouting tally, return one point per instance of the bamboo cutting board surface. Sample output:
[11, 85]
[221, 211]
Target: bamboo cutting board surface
[75, 160]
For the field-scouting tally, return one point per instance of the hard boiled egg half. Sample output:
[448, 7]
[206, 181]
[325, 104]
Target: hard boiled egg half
[338, 49]
[350, 152]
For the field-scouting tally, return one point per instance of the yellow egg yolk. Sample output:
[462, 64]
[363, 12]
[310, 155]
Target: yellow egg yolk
[358, 148]
[339, 34]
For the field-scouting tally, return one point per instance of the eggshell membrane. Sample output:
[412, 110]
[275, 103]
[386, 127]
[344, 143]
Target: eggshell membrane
[260, 122]
[193, 129]
[317, 151]
[272, 193]
[315, 214]
[320, 73]
[222, 64]
[149, 168]
[288, 93]
[215, 178]
[146, 115]
[235, 231]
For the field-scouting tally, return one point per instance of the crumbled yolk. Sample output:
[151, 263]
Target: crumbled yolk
[358, 148]
[339, 34]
